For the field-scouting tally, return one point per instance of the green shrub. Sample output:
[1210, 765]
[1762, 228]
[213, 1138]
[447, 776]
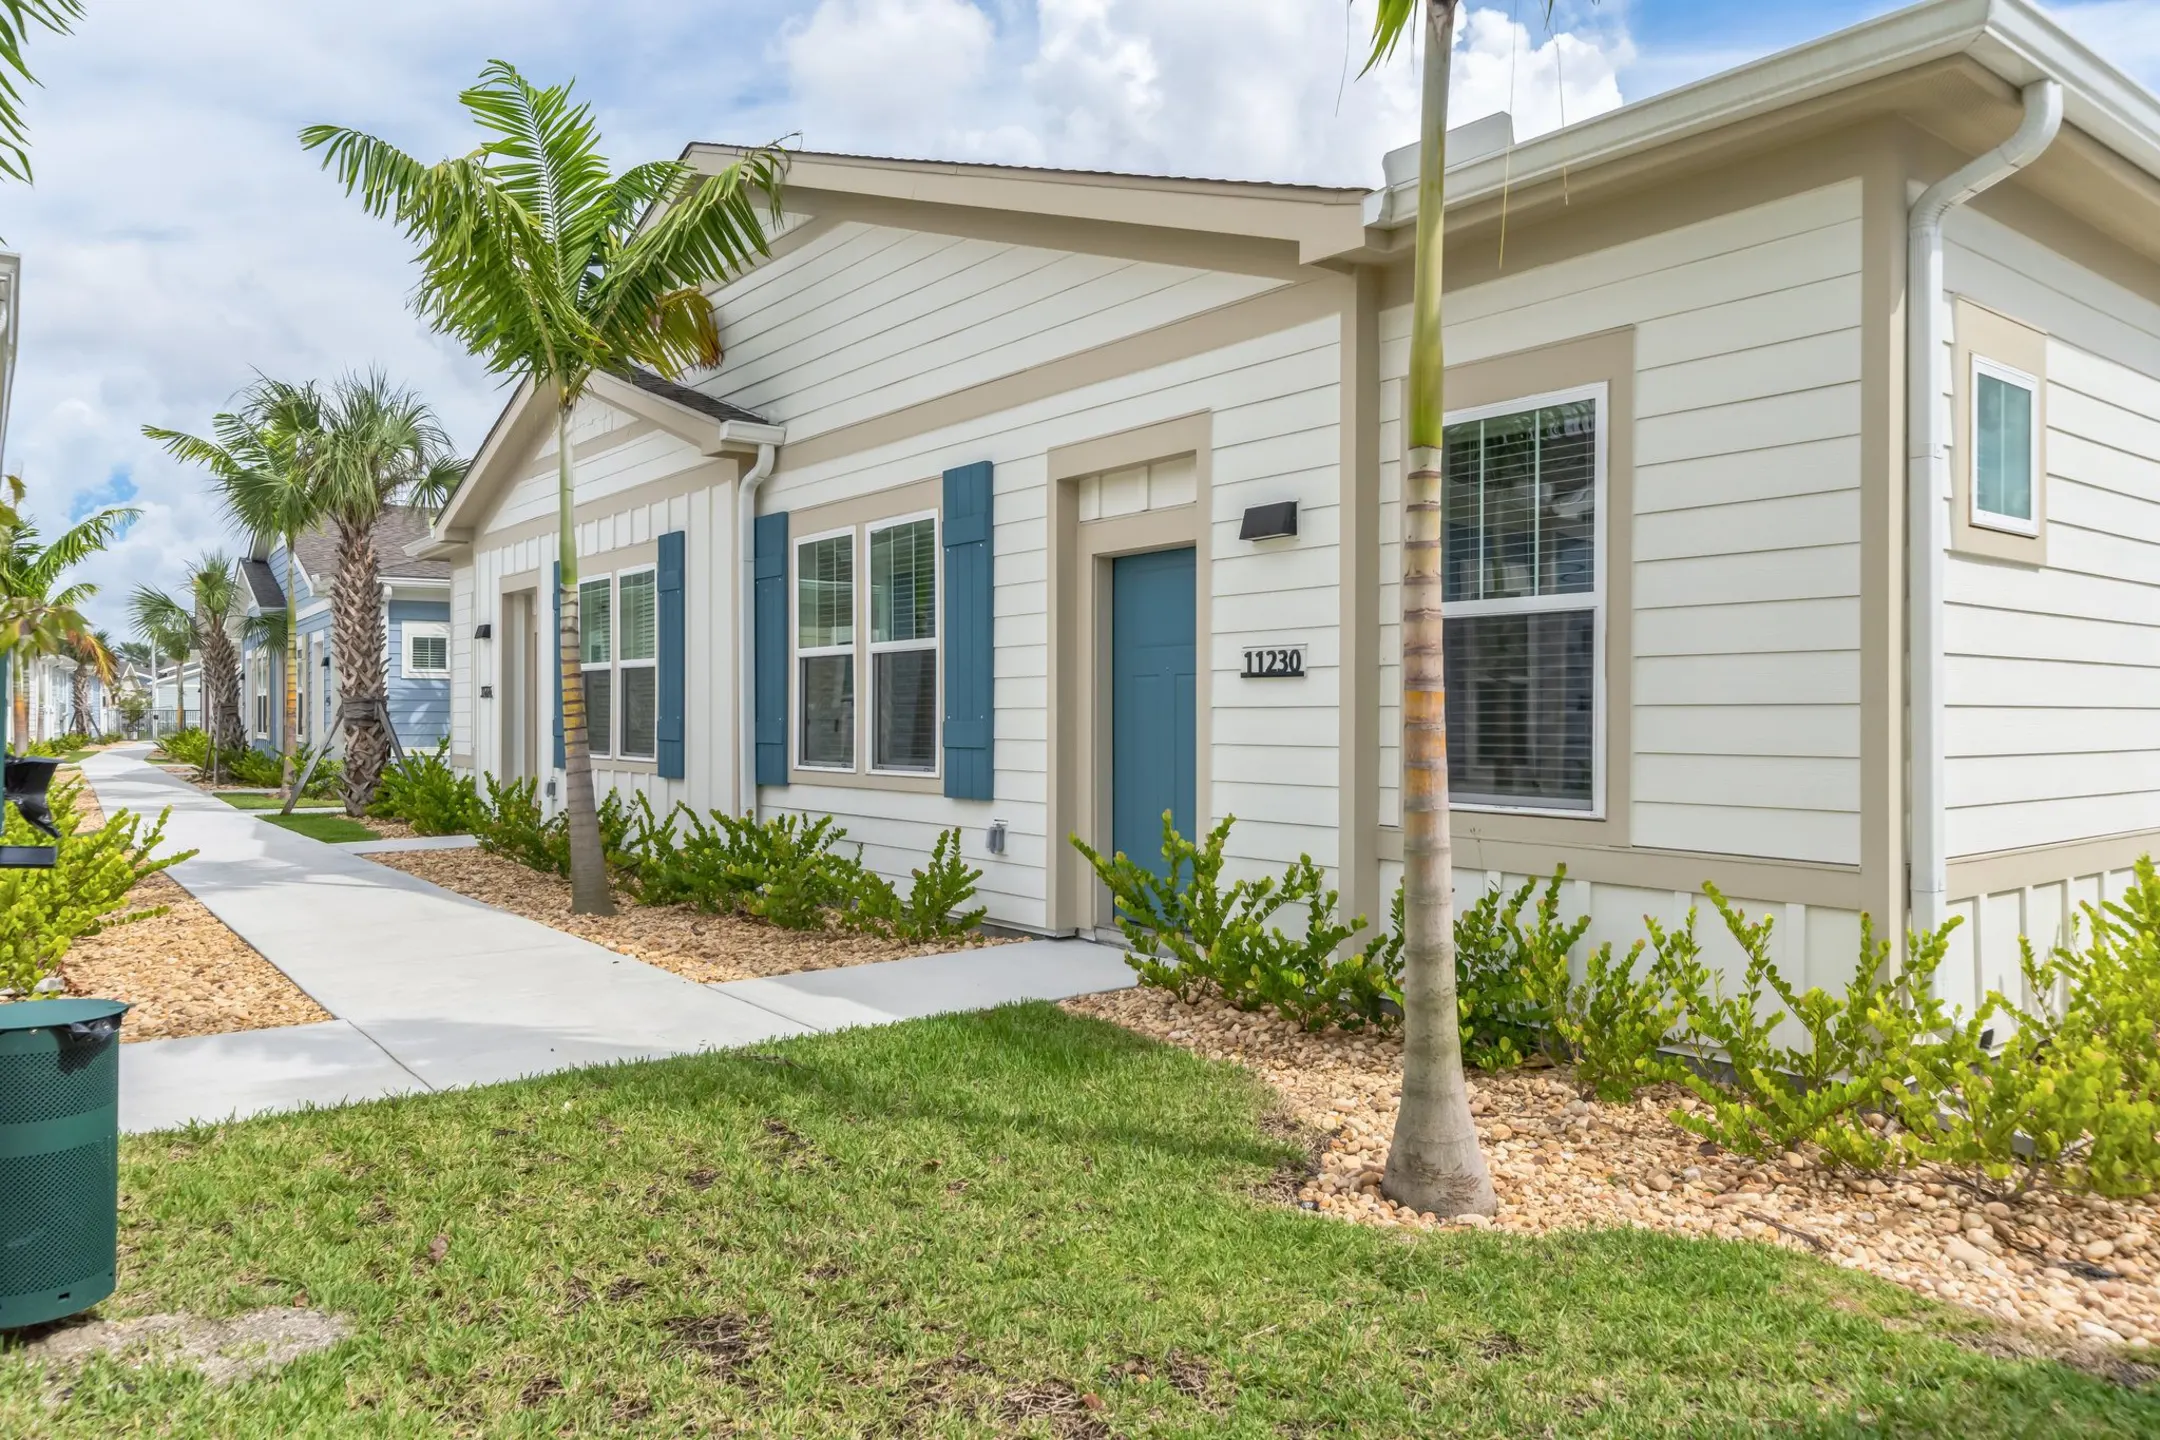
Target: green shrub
[1499, 1016]
[1188, 933]
[43, 912]
[511, 825]
[800, 876]
[190, 746]
[932, 909]
[427, 794]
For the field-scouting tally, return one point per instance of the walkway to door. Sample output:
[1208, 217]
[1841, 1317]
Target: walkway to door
[432, 990]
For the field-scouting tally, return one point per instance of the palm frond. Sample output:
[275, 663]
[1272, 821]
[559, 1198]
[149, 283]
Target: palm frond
[16, 18]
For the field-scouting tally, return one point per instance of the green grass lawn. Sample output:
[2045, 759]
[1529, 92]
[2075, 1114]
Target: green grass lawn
[964, 1227]
[254, 800]
[337, 829]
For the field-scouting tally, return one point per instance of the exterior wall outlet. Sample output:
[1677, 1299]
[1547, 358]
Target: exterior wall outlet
[995, 841]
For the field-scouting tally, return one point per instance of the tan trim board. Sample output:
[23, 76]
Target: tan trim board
[1358, 678]
[1143, 445]
[1607, 358]
[1883, 228]
[1227, 325]
[2001, 870]
[1740, 876]
[904, 499]
[622, 557]
[1078, 710]
[1983, 333]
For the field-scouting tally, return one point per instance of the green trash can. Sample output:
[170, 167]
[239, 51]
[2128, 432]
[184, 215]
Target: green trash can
[59, 1156]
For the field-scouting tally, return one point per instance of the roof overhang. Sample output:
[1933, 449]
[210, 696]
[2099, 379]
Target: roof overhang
[517, 433]
[1312, 220]
[2008, 39]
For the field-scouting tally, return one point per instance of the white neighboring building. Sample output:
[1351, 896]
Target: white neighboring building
[1021, 562]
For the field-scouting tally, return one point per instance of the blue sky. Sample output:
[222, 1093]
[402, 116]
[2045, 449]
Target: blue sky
[178, 241]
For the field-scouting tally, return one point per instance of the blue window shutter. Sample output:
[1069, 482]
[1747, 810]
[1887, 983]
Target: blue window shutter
[769, 618]
[671, 655]
[969, 699]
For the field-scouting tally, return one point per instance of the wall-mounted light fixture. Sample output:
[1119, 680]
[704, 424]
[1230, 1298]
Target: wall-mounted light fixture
[1269, 522]
[483, 631]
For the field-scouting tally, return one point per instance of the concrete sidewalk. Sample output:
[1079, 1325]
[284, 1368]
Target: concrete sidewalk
[432, 990]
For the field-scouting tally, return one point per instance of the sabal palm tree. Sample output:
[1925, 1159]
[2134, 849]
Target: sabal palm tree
[551, 269]
[1434, 1163]
[168, 631]
[381, 446]
[267, 462]
[16, 18]
[39, 615]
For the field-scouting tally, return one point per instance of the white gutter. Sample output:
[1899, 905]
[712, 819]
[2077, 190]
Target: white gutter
[1928, 486]
[767, 438]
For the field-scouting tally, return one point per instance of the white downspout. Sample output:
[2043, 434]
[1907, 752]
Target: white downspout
[1928, 487]
[746, 789]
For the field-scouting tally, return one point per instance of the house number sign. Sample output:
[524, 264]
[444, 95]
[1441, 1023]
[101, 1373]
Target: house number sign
[1275, 662]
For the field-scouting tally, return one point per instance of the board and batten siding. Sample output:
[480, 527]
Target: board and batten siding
[1274, 406]
[865, 319]
[1746, 517]
[703, 510]
[2052, 706]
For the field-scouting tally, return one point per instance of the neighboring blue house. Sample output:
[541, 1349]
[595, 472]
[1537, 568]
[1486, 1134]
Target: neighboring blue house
[416, 657]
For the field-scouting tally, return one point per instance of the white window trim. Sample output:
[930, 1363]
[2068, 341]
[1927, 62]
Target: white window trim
[1593, 599]
[617, 729]
[873, 647]
[424, 630]
[1988, 519]
[798, 652]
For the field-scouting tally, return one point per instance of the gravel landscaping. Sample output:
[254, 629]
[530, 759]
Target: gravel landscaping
[2082, 1268]
[692, 944]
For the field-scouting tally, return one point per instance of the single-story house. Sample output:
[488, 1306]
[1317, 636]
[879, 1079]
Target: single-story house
[1038, 502]
[415, 606]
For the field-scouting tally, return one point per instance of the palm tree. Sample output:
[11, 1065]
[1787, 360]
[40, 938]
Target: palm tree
[549, 268]
[168, 631]
[16, 17]
[266, 461]
[208, 618]
[1434, 1163]
[38, 615]
[93, 654]
[381, 446]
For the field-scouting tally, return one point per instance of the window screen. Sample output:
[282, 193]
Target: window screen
[596, 620]
[638, 635]
[2002, 447]
[1520, 532]
[825, 645]
[599, 710]
[430, 653]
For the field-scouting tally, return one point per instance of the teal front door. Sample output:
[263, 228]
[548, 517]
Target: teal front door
[1152, 717]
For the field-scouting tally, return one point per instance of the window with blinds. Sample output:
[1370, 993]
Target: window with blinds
[637, 673]
[903, 645]
[596, 637]
[1524, 603]
[825, 652]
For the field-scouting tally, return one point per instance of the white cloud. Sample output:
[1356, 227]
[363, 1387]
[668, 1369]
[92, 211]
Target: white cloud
[892, 65]
[1254, 89]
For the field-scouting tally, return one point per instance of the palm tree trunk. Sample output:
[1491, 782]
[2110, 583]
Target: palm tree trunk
[1434, 1163]
[356, 613]
[589, 892]
[292, 674]
[221, 688]
[79, 695]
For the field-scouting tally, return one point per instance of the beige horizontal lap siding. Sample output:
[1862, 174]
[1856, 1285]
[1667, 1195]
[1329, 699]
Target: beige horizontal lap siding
[1272, 440]
[1745, 729]
[865, 319]
[2052, 718]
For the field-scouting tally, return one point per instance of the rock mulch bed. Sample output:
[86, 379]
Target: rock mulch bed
[2081, 1267]
[692, 944]
[184, 972]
